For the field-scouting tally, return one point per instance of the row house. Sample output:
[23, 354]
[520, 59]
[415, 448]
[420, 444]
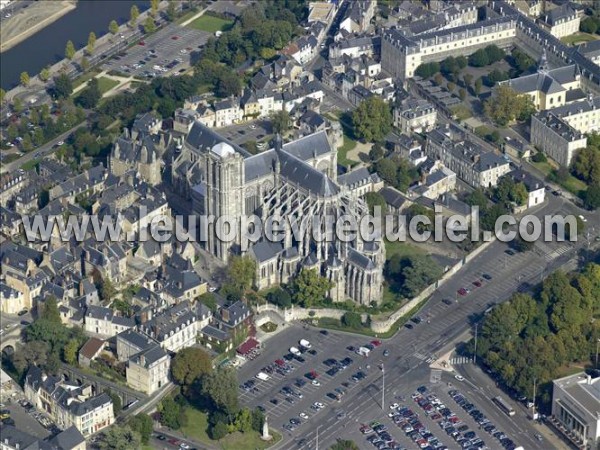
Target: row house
[104, 322]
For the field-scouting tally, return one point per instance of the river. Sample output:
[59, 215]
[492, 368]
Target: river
[47, 46]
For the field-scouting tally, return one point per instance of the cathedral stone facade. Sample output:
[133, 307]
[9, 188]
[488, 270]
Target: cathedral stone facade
[295, 181]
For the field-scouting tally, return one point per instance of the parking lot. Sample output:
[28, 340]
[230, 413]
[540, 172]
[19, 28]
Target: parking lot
[166, 52]
[300, 388]
[28, 419]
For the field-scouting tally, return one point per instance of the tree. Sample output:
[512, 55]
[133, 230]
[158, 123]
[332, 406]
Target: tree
[243, 420]
[24, 79]
[462, 94]
[149, 25]
[189, 364]
[117, 402]
[154, 7]
[91, 43]
[372, 120]
[479, 59]
[309, 287]
[496, 76]
[344, 444]
[220, 387]
[170, 413]
[427, 70]
[258, 420]
[119, 438]
[506, 105]
[70, 50]
[438, 79]
[84, 63]
[70, 352]
[352, 320]
[467, 79]
[45, 74]
[376, 152]
[34, 353]
[451, 86]
[228, 84]
[280, 121]
[522, 245]
[591, 197]
[142, 424]
[587, 165]
[107, 290]
[50, 311]
[113, 27]
[588, 25]
[375, 199]
[218, 431]
[63, 86]
[241, 271]
[171, 13]
[280, 297]
[134, 13]
[478, 85]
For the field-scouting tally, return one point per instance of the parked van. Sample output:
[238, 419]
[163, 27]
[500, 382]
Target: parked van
[304, 343]
[262, 376]
[295, 351]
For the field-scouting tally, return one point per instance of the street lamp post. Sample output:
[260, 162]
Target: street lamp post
[475, 351]
[383, 387]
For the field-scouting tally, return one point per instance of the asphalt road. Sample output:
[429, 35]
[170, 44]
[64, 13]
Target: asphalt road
[410, 350]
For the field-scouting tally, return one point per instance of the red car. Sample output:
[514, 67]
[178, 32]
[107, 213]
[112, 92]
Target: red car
[477, 283]
[462, 291]
[312, 375]
[141, 43]
[376, 343]
[280, 362]
[174, 37]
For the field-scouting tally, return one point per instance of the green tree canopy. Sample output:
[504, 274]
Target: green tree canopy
[241, 271]
[143, 425]
[344, 444]
[280, 297]
[506, 106]
[63, 87]
[309, 287]
[24, 79]
[372, 120]
[70, 50]
[221, 388]
[190, 364]
[280, 121]
[113, 27]
[119, 438]
[352, 319]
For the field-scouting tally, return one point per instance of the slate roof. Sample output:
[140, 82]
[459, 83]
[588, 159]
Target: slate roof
[308, 147]
[136, 339]
[360, 260]
[266, 250]
[15, 438]
[150, 356]
[589, 49]
[178, 316]
[67, 439]
[558, 15]
[202, 139]
[393, 197]
[531, 183]
[297, 172]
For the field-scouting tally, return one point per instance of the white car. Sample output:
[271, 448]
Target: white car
[459, 377]
[253, 127]
[394, 405]
[319, 405]
[184, 446]
[315, 383]
[59, 143]
[212, 289]
[303, 416]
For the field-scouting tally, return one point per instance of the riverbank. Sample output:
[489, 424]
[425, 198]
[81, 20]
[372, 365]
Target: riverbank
[29, 21]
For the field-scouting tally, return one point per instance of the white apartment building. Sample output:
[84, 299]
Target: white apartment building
[103, 322]
[555, 137]
[148, 370]
[561, 21]
[401, 55]
[11, 300]
[67, 404]
[227, 112]
[576, 408]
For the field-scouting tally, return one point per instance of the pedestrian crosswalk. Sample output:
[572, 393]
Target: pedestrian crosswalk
[556, 253]
[460, 360]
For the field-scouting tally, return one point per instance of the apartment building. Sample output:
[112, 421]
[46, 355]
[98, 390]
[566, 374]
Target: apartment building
[415, 116]
[555, 137]
[104, 322]
[148, 370]
[471, 162]
[536, 189]
[560, 21]
[67, 404]
[402, 54]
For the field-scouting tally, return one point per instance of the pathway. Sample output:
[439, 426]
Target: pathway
[194, 17]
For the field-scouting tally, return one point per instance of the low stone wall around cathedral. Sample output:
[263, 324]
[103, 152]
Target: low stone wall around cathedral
[377, 326]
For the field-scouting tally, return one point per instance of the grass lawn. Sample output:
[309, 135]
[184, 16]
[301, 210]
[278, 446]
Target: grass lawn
[197, 424]
[571, 184]
[402, 248]
[30, 165]
[578, 38]
[211, 24]
[348, 145]
[10, 158]
[106, 84]
[85, 77]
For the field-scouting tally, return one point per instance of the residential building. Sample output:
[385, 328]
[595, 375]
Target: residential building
[130, 343]
[590, 50]
[471, 162]
[11, 300]
[536, 188]
[177, 327]
[435, 183]
[360, 181]
[576, 408]
[415, 116]
[560, 21]
[584, 116]
[15, 439]
[227, 112]
[323, 12]
[355, 46]
[69, 404]
[148, 370]
[104, 322]
[11, 183]
[556, 137]
[90, 351]
[358, 15]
